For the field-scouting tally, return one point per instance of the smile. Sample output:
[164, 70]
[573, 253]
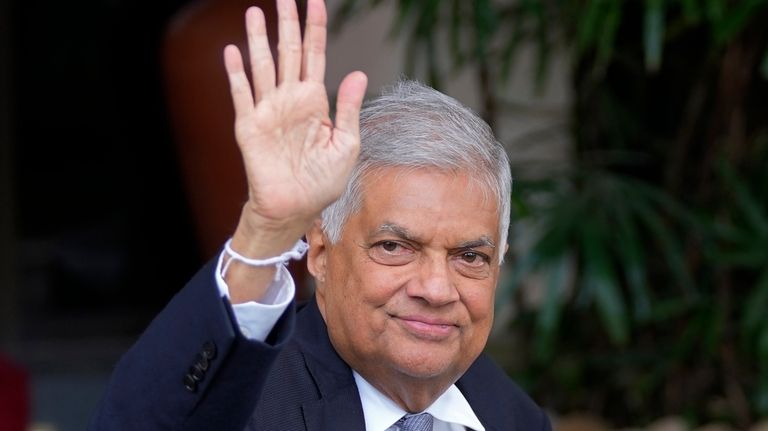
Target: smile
[427, 329]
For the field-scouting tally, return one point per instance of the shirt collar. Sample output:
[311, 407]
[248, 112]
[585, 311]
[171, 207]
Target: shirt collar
[381, 412]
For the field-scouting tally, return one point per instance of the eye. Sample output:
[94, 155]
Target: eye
[390, 252]
[470, 257]
[474, 258]
[472, 264]
[389, 246]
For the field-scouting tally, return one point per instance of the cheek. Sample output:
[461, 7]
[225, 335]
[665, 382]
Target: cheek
[479, 303]
[361, 284]
[378, 283]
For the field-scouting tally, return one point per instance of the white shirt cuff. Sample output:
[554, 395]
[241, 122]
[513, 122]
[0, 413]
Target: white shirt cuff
[256, 319]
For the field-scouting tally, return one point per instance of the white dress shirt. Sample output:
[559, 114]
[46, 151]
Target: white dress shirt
[451, 411]
[256, 319]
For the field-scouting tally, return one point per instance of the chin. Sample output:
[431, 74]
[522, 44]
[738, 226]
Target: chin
[423, 365]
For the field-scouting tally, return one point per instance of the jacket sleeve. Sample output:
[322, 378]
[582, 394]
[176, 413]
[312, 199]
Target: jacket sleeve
[191, 369]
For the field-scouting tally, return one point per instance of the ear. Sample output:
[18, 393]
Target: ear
[317, 256]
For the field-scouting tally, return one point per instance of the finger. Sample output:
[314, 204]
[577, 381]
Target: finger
[242, 98]
[262, 64]
[313, 60]
[348, 102]
[289, 44]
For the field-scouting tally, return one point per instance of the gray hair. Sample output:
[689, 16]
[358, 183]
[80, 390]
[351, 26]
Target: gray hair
[411, 125]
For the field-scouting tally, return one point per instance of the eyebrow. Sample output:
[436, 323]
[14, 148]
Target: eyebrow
[483, 241]
[393, 228]
[397, 230]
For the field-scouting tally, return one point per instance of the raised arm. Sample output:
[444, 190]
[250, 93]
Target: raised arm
[191, 370]
[297, 159]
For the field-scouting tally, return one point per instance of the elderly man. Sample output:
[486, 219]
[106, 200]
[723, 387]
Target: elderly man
[406, 233]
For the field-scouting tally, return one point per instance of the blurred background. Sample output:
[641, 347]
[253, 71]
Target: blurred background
[635, 294]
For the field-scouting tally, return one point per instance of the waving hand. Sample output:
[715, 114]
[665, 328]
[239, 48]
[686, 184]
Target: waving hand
[297, 160]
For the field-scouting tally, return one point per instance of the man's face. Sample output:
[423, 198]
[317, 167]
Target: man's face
[408, 289]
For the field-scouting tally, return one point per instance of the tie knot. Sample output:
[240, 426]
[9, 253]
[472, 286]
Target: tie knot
[419, 422]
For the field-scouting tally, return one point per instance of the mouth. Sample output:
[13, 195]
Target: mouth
[425, 328]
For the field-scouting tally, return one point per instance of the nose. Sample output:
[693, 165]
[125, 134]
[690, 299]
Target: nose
[434, 283]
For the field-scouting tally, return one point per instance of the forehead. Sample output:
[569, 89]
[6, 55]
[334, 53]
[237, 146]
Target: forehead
[428, 201]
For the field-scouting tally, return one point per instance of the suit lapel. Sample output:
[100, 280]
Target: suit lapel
[342, 411]
[476, 393]
[339, 405]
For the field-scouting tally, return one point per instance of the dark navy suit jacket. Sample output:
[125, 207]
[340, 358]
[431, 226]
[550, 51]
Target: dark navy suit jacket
[191, 370]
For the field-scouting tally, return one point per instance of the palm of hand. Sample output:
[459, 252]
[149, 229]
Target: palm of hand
[297, 161]
[292, 154]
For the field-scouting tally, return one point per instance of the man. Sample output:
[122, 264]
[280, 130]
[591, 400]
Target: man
[406, 235]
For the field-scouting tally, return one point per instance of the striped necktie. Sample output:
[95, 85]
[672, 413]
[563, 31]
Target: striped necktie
[420, 422]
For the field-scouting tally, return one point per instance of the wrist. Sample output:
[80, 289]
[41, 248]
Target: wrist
[259, 237]
[296, 253]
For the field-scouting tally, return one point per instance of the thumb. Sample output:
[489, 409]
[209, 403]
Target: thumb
[348, 102]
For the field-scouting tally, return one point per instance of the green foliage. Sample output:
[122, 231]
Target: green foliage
[620, 300]
[492, 32]
[598, 220]
[653, 33]
[746, 248]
